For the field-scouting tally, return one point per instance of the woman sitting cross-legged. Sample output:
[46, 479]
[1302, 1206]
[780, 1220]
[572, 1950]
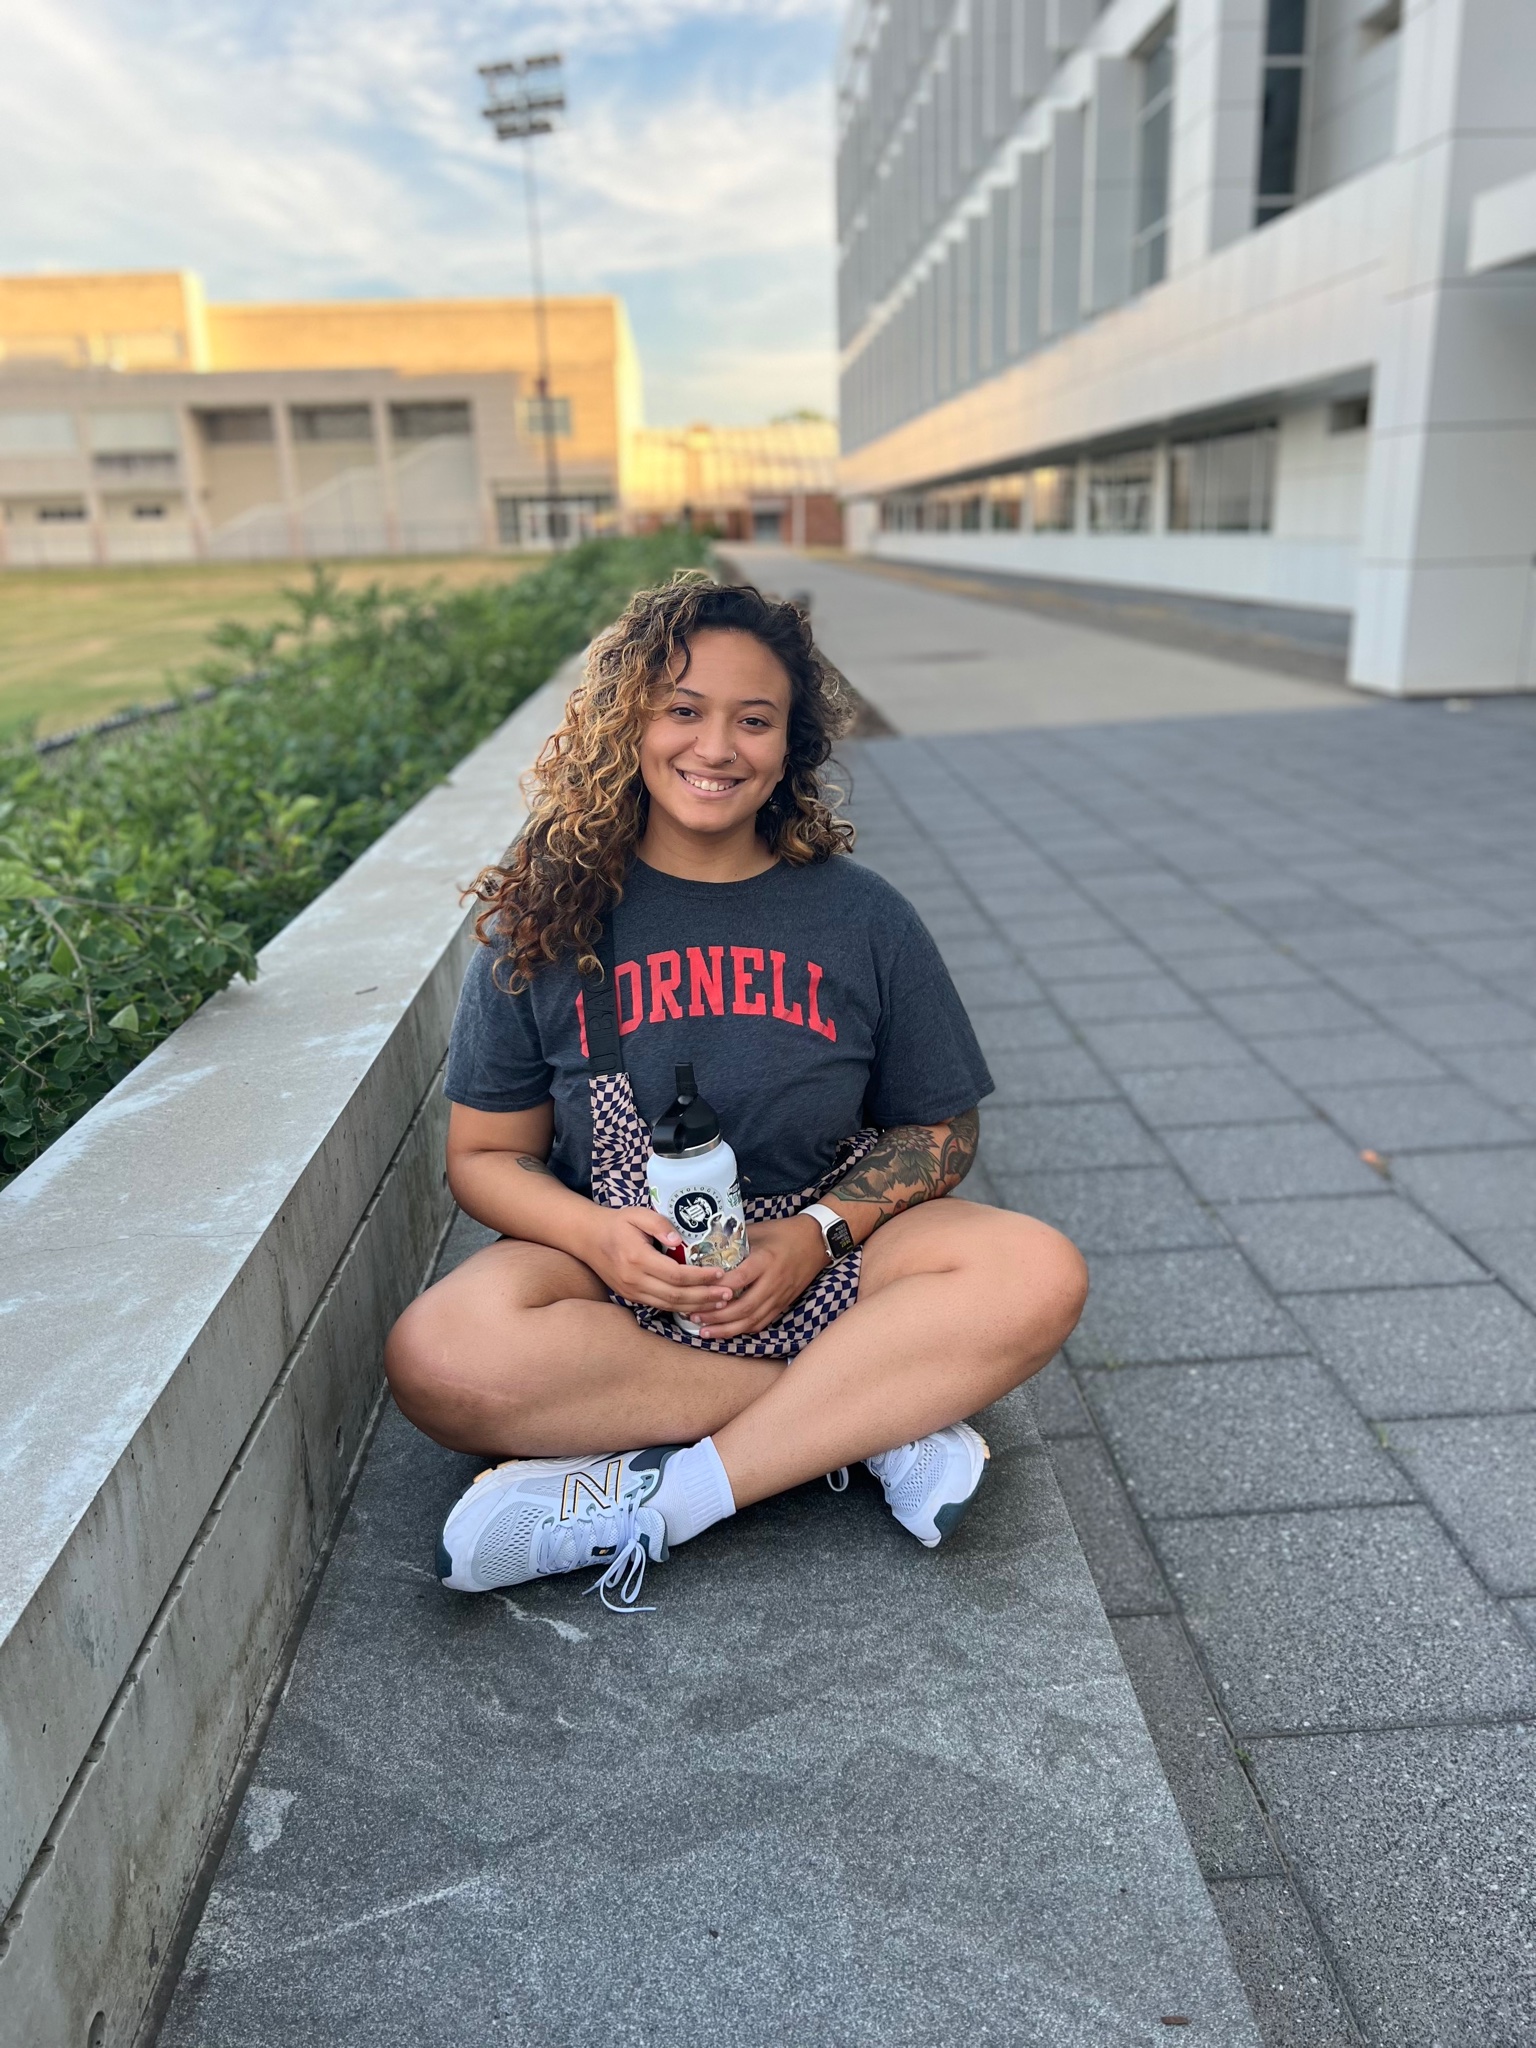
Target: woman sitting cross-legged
[678, 832]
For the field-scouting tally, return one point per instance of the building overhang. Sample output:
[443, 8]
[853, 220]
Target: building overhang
[1502, 230]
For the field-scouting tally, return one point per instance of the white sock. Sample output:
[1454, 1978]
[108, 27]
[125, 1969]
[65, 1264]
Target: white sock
[694, 1492]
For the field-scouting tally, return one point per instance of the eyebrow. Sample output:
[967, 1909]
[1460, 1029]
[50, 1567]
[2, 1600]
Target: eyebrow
[682, 690]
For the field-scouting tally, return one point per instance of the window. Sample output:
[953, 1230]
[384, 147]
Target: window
[1052, 495]
[332, 423]
[970, 514]
[543, 416]
[149, 511]
[429, 419]
[1285, 62]
[132, 433]
[1007, 495]
[1223, 484]
[1149, 245]
[144, 464]
[51, 513]
[1120, 493]
[1349, 415]
[36, 433]
[236, 426]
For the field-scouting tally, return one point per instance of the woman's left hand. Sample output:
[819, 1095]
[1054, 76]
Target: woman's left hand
[782, 1261]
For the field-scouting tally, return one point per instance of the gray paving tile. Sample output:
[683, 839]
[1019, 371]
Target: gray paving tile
[1479, 1473]
[1506, 1072]
[1260, 1013]
[1227, 973]
[1191, 937]
[1424, 980]
[1346, 1241]
[984, 988]
[1214, 1798]
[1426, 1350]
[1488, 1190]
[1341, 1058]
[1287, 1977]
[1116, 1209]
[1489, 1020]
[1029, 1028]
[1525, 1613]
[1503, 952]
[1054, 1074]
[1141, 995]
[1123, 1568]
[1510, 1252]
[1172, 1096]
[1415, 1849]
[1146, 1307]
[1117, 957]
[1055, 1403]
[1232, 1162]
[1056, 1135]
[968, 953]
[1164, 1042]
[1343, 1618]
[1082, 926]
[1224, 1439]
[1402, 1116]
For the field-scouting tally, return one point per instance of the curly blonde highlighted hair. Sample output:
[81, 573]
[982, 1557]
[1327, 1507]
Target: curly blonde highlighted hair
[587, 803]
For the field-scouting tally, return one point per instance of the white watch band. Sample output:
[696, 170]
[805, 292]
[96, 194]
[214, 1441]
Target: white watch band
[825, 1218]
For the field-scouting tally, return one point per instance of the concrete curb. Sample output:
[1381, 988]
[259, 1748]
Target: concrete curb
[193, 1308]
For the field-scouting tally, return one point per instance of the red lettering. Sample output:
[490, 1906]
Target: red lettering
[826, 1027]
[784, 1016]
[581, 1023]
[628, 972]
[666, 973]
[706, 981]
[747, 1002]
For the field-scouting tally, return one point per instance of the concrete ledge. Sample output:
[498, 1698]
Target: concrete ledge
[193, 1306]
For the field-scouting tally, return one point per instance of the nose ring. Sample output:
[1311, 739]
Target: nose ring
[729, 759]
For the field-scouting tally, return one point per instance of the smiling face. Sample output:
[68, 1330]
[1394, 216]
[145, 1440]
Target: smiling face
[714, 752]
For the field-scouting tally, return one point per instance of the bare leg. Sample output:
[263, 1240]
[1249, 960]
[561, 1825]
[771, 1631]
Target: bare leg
[958, 1304]
[520, 1353]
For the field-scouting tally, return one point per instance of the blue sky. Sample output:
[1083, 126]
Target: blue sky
[334, 148]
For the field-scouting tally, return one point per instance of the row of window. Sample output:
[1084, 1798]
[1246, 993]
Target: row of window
[136, 442]
[1224, 483]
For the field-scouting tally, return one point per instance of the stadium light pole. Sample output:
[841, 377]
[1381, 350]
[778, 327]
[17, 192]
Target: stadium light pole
[522, 97]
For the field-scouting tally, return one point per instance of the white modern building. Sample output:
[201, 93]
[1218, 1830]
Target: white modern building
[1235, 298]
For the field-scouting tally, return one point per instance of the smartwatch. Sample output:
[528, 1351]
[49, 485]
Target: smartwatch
[835, 1234]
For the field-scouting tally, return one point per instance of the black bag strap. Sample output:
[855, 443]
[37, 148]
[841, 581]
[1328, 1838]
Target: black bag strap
[605, 1053]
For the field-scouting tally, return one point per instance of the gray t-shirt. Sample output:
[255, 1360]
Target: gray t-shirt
[810, 1001]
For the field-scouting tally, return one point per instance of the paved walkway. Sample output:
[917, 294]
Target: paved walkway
[934, 662]
[1260, 997]
[1259, 993]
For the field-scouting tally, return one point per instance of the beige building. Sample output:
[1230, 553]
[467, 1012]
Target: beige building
[773, 483]
[138, 423]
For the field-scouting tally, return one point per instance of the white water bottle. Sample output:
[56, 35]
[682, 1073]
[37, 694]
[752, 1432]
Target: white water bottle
[692, 1180]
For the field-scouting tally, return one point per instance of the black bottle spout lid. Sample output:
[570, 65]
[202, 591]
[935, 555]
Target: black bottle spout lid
[690, 1125]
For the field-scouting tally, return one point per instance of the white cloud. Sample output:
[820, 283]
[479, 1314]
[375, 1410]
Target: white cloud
[294, 150]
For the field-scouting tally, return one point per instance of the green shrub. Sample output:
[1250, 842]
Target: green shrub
[140, 874]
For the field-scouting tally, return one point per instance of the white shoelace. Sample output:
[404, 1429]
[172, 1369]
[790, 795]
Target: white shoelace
[838, 1480]
[567, 1546]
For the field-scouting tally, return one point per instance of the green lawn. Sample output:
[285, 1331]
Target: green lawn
[76, 644]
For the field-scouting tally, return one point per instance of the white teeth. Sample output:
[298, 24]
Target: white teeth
[702, 782]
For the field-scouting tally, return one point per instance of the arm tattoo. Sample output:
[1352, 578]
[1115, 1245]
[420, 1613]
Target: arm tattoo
[912, 1163]
[529, 1164]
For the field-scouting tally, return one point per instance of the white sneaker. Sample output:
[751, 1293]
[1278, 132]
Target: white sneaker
[930, 1484]
[534, 1517]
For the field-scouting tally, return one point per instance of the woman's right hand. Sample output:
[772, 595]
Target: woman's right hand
[623, 1248]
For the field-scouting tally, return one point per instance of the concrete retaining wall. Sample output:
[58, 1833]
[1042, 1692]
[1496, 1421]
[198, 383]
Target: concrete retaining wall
[195, 1284]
